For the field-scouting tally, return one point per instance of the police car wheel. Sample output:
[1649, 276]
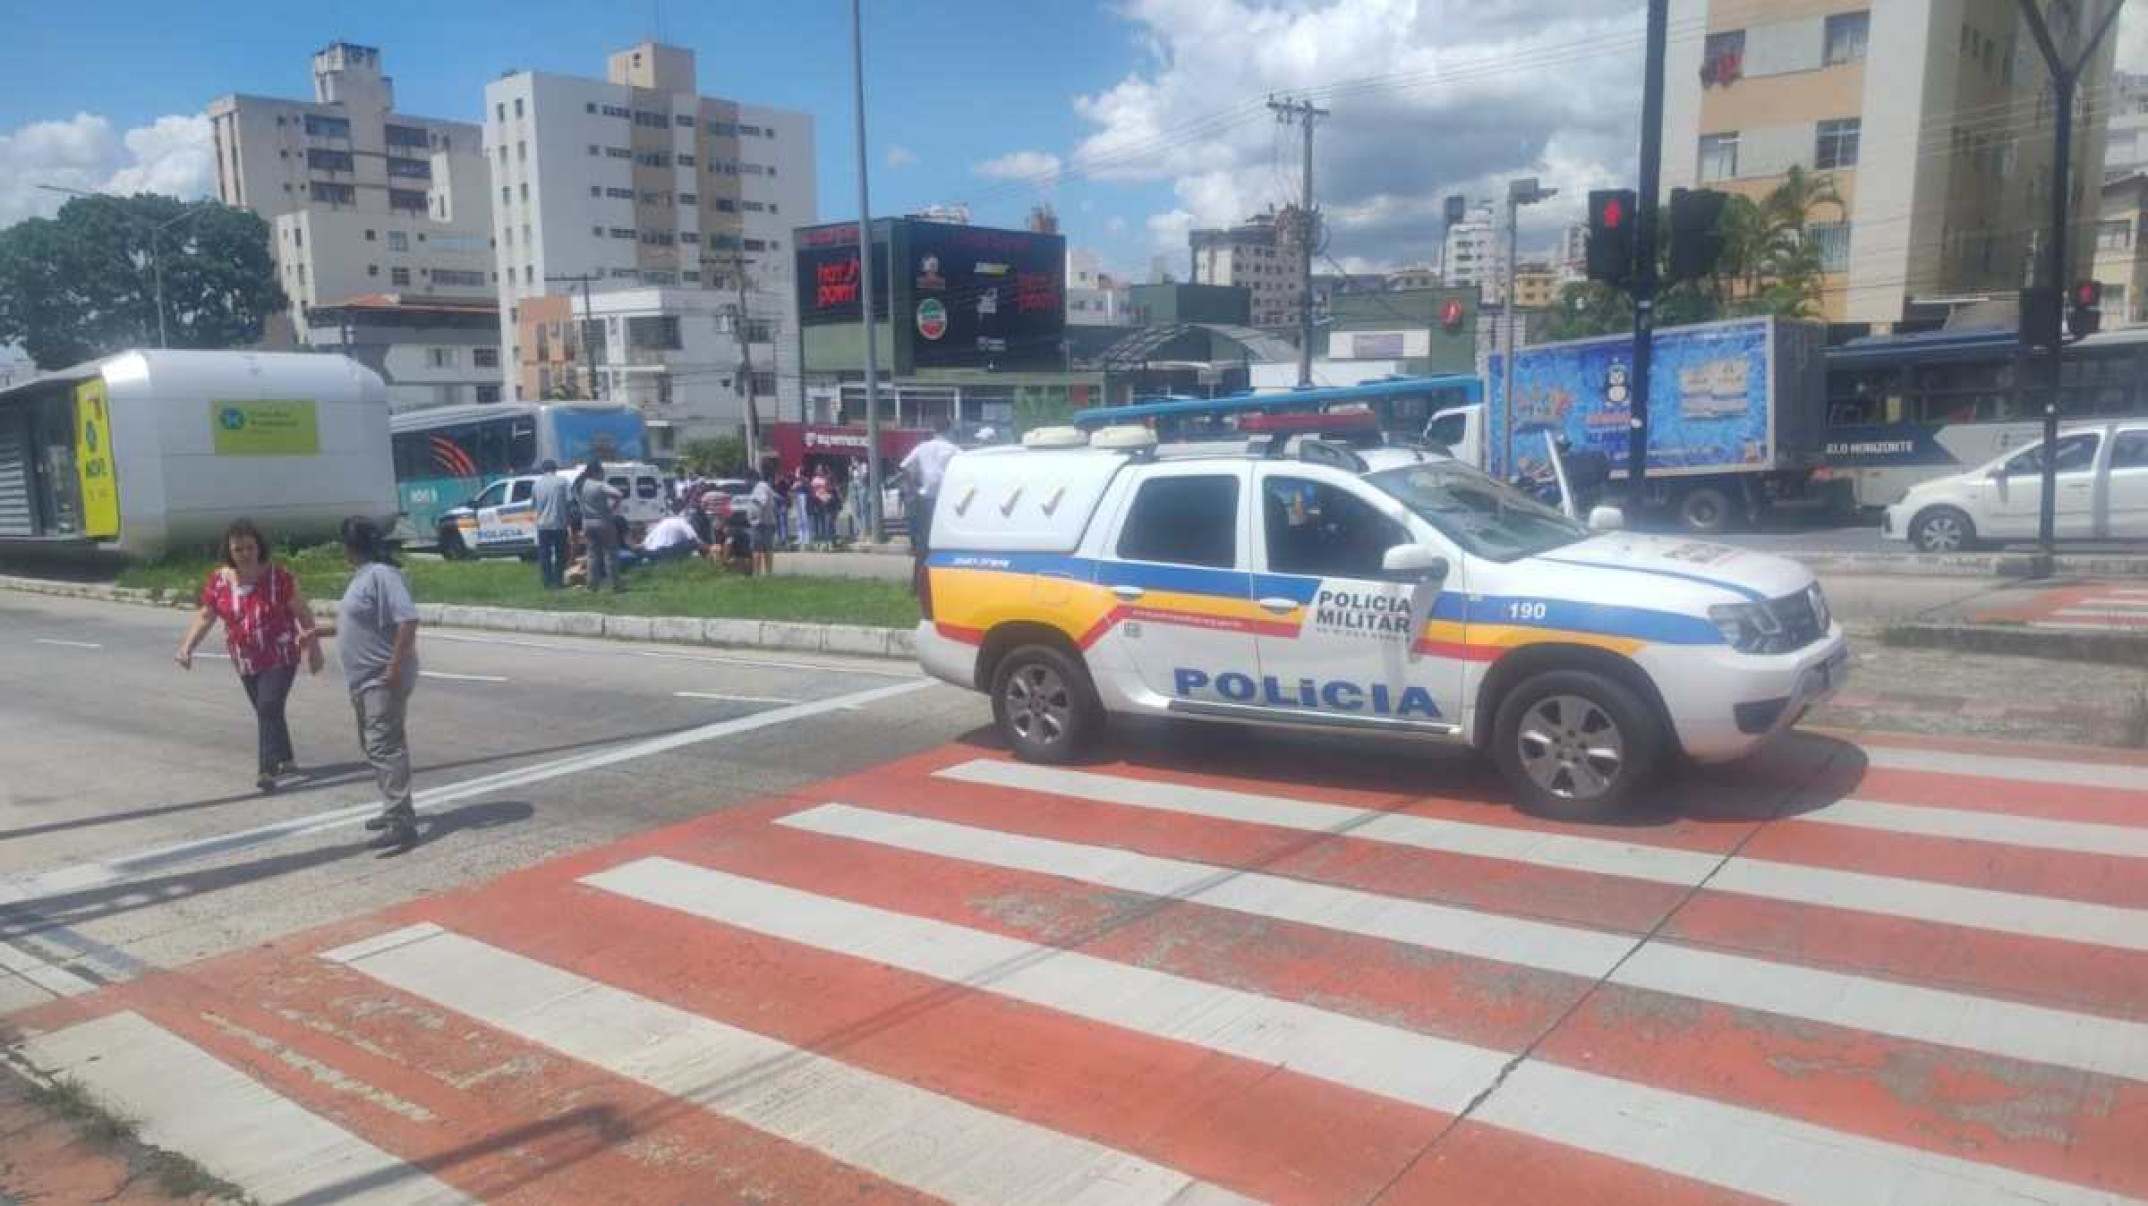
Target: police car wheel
[1575, 744]
[1942, 530]
[451, 546]
[1043, 704]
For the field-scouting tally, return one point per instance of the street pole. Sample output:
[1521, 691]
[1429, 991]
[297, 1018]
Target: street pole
[1305, 114]
[1519, 193]
[2065, 86]
[876, 523]
[745, 363]
[583, 280]
[1644, 248]
[156, 270]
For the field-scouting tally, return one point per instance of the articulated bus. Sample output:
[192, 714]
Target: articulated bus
[445, 455]
[1905, 408]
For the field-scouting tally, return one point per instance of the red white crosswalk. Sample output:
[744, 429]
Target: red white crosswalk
[2092, 607]
[1902, 972]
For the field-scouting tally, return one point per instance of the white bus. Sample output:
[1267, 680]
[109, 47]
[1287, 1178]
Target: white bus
[446, 456]
[151, 450]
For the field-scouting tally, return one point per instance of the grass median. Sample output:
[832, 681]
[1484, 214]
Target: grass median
[681, 588]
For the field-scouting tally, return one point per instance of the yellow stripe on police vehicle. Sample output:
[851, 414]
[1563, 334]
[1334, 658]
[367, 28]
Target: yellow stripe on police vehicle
[1355, 586]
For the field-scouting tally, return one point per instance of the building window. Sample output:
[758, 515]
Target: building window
[725, 205]
[410, 169]
[372, 270]
[756, 245]
[405, 136]
[1719, 157]
[685, 160]
[529, 275]
[654, 331]
[333, 194]
[596, 232]
[689, 199]
[1723, 58]
[507, 195]
[485, 357]
[1831, 240]
[589, 107]
[1847, 34]
[2114, 234]
[518, 106]
[398, 241]
[594, 149]
[1838, 143]
[684, 120]
[618, 153]
[525, 190]
[458, 278]
[621, 232]
[688, 236]
[499, 111]
[753, 207]
[328, 127]
[398, 276]
[653, 159]
[620, 194]
[489, 393]
[749, 131]
[596, 190]
[328, 161]
[440, 357]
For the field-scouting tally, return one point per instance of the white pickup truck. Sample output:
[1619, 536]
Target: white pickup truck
[502, 520]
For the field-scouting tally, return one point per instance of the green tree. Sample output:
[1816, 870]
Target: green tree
[721, 456]
[83, 284]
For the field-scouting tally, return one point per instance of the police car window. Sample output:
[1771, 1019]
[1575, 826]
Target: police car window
[645, 487]
[1448, 430]
[2076, 452]
[521, 492]
[490, 496]
[1485, 517]
[1183, 521]
[1320, 530]
[2130, 450]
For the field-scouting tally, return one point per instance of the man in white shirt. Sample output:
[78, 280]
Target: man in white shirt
[668, 539]
[924, 468]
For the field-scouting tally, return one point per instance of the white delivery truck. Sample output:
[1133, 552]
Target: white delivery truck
[151, 450]
[1302, 583]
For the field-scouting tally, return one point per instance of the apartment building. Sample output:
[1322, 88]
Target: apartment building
[637, 182]
[2122, 250]
[1260, 254]
[2125, 148]
[431, 351]
[1472, 253]
[1536, 285]
[1094, 297]
[1942, 158]
[361, 199]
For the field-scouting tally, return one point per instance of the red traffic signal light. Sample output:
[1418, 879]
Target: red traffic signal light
[2087, 294]
[2086, 317]
[1611, 235]
[1451, 314]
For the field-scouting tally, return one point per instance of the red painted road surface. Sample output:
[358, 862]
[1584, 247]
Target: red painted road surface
[2087, 607]
[1875, 971]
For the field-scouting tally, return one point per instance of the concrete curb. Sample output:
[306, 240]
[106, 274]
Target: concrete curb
[854, 640]
[2105, 648]
[1970, 565]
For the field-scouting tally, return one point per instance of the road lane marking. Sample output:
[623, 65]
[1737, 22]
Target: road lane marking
[718, 695]
[52, 977]
[186, 1100]
[848, 662]
[65, 644]
[1997, 766]
[1743, 1149]
[1945, 904]
[2026, 1032]
[2077, 837]
[929, 1142]
[31, 887]
[462, 678]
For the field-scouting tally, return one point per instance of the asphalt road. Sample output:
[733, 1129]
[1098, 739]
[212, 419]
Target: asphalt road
[131, 834]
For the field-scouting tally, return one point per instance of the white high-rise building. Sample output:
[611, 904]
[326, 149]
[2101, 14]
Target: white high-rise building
[1471, 255]
[362, 199]
[637, 180]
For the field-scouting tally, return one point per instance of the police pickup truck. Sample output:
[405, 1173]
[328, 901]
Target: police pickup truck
[1385, 590]
[501, 521]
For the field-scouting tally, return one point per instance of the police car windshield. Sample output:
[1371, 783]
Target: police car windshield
[1478, 513]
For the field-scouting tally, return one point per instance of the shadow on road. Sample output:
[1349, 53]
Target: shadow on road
[1800, 773]
[66, 910]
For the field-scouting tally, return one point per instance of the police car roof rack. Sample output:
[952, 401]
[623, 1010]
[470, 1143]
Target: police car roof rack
[1301, 399]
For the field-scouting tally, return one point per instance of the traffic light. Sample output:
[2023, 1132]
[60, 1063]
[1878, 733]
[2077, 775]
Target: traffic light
[2042, 308]
[2086, 317]
[1696, 232]
[1611, 214]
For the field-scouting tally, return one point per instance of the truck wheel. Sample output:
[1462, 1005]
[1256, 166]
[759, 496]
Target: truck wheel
[1575, 745]
[1044, 705]
[1942, 530]
[451, 546]
[1705, 510]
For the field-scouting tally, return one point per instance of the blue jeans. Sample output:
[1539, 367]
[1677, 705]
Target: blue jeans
[552, 557]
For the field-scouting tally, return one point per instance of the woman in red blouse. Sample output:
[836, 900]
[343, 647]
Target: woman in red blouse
[266, 625]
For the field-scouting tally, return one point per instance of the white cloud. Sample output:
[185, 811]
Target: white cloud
[173, 154]
[2132, 35]
[1115, 225]
[901, 157]
[1427, 97]
[1040, 168]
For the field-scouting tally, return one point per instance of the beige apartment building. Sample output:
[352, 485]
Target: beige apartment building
[1932, 119]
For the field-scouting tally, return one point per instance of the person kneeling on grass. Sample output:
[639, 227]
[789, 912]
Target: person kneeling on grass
[671, 538]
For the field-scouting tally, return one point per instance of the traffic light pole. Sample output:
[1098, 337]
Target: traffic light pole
[2065, 85]
[1644, 248]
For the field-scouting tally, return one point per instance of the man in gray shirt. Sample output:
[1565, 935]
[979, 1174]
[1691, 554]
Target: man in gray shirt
[550, 496]
[597, 500]
[377, 638]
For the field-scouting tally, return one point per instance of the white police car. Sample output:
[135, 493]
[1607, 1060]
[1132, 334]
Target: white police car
[1383, 590]
[501, 521]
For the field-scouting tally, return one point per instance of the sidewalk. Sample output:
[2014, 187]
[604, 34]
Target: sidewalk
[2085, 621]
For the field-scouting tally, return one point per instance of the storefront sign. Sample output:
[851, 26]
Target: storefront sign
[94, 467]
[265, 428]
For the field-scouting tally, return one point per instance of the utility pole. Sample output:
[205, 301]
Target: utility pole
[1519, 193]
[1305, 114]
[2065, 86]
[1644, 248]
[877, 524]
[741, 330]
[583, 280]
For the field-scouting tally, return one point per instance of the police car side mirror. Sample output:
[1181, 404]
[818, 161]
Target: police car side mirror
[1414, 563]
[1607, 519]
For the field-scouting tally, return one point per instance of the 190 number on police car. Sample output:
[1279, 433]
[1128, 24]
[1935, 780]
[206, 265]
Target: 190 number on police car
[1528, 610]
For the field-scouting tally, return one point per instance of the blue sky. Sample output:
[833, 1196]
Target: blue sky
[954, 83]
